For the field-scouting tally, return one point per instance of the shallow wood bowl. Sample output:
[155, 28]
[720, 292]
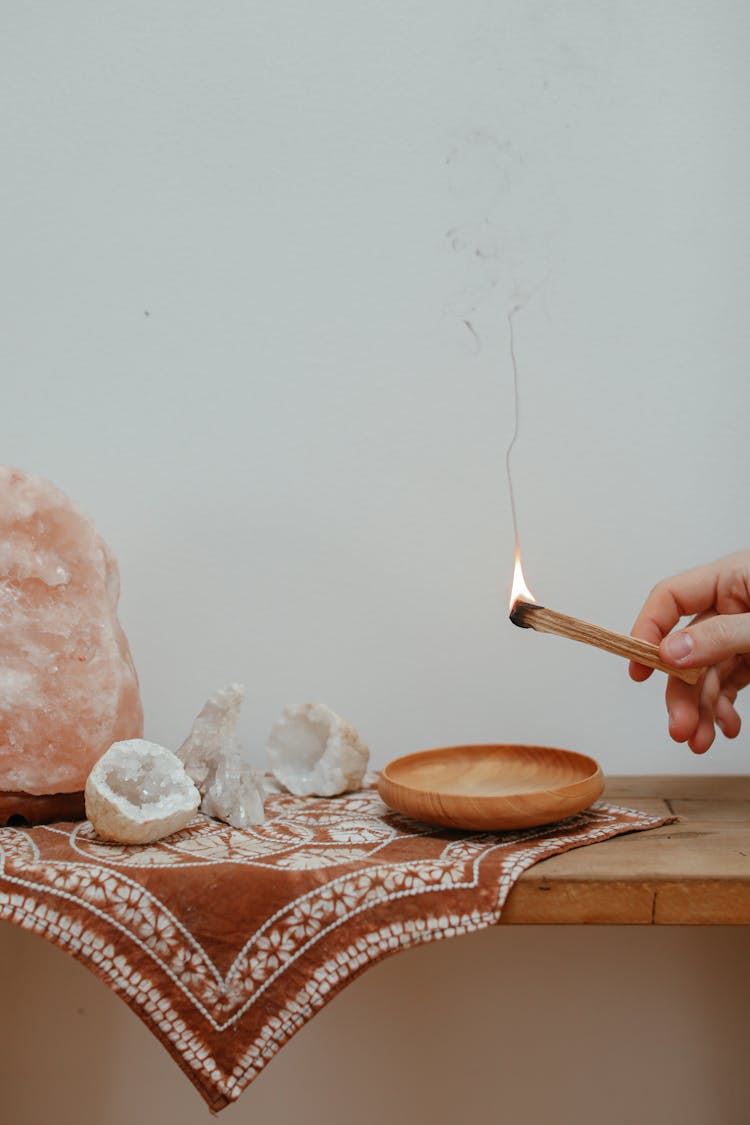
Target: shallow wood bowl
[491, 787]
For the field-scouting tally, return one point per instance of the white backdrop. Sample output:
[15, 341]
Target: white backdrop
[257, 263]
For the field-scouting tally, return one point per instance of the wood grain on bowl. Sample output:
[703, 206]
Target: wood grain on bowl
[491, 787]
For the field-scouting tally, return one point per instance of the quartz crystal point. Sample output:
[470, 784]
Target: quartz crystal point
[231, 789]
[314, 751]
[68, 688]
[139, 792]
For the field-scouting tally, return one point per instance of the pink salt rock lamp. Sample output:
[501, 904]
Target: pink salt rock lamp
[68, 687]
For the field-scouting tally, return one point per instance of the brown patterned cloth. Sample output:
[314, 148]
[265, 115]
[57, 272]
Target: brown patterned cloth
[225, 942]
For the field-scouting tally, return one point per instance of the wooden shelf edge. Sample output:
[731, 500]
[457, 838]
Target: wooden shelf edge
[629, 903]
[618, 787]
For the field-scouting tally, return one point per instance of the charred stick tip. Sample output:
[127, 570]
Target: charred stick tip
[520, 612]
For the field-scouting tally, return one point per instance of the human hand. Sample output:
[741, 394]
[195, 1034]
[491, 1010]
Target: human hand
[717, 639]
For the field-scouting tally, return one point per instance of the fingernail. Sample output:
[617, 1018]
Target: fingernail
[678, 647]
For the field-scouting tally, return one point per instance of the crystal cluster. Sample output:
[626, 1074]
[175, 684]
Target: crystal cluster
[139, 792]
[231, 789]
[68, 688]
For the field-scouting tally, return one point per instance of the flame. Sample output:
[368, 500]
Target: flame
[520, 592]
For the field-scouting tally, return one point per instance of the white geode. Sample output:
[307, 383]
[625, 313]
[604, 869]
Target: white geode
[231, 789]
[138, 792]
[314, 751]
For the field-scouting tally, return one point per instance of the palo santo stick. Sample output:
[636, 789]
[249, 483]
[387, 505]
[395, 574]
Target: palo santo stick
[528, 615]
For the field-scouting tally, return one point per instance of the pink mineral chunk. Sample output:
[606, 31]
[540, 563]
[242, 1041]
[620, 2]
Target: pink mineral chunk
[68, 687]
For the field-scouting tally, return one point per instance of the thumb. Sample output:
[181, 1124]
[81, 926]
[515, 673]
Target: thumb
[708, 642]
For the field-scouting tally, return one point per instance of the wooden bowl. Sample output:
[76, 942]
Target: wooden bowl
[491, 787]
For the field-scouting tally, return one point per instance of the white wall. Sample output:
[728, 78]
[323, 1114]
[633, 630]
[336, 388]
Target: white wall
[240, 243]
[232, 329]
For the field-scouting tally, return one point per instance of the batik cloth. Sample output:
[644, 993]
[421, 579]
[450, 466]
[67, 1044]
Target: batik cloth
[226, 941]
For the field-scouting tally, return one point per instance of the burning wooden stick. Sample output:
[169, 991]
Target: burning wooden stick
[528, 615]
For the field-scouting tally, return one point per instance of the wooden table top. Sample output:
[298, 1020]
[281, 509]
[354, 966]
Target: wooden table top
[694, 872]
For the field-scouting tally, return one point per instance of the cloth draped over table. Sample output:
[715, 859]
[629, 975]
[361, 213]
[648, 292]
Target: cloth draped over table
[226, 941]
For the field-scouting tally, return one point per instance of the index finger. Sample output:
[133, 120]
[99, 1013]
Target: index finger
[692, 591]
